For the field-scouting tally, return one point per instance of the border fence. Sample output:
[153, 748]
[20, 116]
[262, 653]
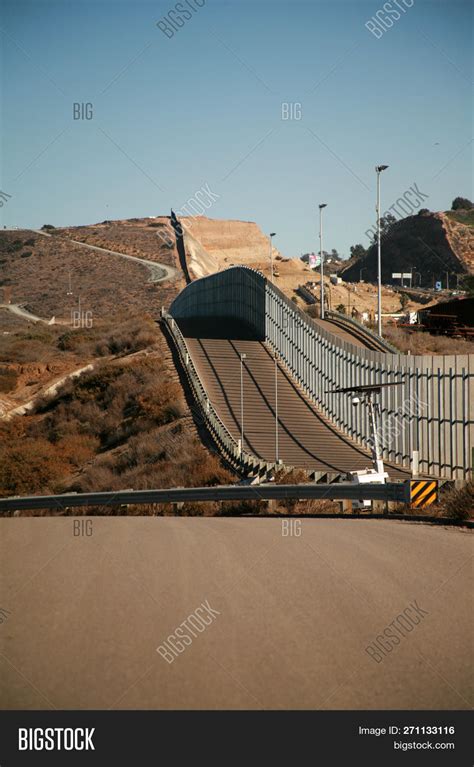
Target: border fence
[426, 422]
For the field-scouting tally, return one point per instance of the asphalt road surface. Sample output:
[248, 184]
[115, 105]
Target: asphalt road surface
[81, 616]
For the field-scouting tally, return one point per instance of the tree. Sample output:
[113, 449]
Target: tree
[358, 251]
[341, 309]
[404, 301]
[461, 203]
[467, 283]
[386, 222]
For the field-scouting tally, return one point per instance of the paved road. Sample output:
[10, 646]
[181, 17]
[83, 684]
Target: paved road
[86, 614]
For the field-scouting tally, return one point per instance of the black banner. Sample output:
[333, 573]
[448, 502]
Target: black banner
[89, 738]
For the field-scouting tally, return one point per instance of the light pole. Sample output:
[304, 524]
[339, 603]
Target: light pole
[322, 205]
[276, 408]
[378, 170]
[272, 234]
[242, 358]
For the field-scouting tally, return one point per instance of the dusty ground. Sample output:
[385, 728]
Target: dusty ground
[85, 291]
[362, 295]
[142, 238]
[51, 276]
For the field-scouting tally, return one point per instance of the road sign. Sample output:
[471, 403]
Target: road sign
[423, 492]
[396, 275]
[438, 286]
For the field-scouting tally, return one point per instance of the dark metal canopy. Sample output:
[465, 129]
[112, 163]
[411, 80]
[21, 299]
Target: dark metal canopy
[368, 387]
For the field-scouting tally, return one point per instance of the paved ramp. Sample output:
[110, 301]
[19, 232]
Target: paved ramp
[305, 439]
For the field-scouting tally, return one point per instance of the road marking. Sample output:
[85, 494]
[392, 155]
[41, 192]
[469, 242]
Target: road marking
[423, 492]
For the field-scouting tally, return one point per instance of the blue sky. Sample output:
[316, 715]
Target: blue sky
[171, 114]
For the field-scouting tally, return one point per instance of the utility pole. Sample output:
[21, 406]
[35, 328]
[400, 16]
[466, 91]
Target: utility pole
[378, 170]
[242, 358]
[321, 257]
[276, 408]
[272, 234]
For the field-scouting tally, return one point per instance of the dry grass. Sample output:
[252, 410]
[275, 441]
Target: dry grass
[124, 424]
[418, 342]
[142, 238]
[102, 284]
[295, 506]
[452, 504]
[456, 504]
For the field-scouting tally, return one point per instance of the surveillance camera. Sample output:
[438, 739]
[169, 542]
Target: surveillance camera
[355, 401]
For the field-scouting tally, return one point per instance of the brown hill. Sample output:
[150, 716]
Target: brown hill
[429, 243]
[213, 244]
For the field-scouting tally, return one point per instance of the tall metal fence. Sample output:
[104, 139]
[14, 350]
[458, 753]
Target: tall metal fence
[427, 419]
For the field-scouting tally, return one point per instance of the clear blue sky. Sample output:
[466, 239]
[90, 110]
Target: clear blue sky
[204, 107]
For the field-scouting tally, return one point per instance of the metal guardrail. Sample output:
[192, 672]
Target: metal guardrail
[351, 322]
[394, 491]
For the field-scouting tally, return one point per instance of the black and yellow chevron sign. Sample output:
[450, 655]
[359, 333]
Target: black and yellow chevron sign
[423, 492]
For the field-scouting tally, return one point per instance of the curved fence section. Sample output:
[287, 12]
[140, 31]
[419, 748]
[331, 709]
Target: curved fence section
[350, 323]
[426, 420]
[236, 293]
[241, 460]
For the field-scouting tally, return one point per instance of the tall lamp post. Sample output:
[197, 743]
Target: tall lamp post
[276, 408]
[321, 258]
[378, 170]
[242, 358]
[272, 234]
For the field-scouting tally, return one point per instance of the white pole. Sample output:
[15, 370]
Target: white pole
[376, 447]
[276, 409]
[271, 258]
[379, 260]
[242, 357]
[321, 259]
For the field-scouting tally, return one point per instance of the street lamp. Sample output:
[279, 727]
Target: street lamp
[378, 170]
[276, 408]
[242, 358]
[272, 234]
[322, 205]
